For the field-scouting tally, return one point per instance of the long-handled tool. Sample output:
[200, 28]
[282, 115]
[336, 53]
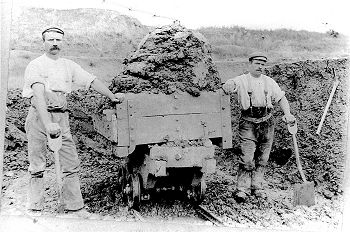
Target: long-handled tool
[304, 194]
[55, 144]
[335, 84]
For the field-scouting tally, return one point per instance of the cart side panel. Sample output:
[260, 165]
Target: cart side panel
[226, 124]
[148, 105]
[159, 129]
[156, 118]
[106, 125]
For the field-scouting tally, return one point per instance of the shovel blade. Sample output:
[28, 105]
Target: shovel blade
[304, 194]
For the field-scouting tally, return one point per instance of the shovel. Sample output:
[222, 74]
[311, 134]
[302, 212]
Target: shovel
[304, 194]
[55, 144]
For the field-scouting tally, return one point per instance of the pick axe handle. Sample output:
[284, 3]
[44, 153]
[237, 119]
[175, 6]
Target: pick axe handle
[300, 169]
[59, 179]
[336, 82]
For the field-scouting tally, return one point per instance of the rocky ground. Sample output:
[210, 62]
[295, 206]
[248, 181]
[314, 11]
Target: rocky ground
[307, 85]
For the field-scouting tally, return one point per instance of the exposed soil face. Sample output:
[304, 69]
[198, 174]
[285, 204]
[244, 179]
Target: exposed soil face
[150, 68]
[169, 59]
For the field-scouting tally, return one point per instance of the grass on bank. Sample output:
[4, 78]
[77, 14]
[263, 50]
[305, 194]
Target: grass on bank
[232, 43]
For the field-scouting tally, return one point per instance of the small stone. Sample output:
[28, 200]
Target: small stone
[9, 174]
[328, 194]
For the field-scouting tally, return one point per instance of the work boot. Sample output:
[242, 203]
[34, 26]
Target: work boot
[36, 193]
[257, 179]
[243, 181]
[80, 213]
[33, 213]
[259, 193]
[240, 196]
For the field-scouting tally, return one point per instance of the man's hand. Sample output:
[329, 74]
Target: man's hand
[118, 97]
[53, 129]
[229, 87]
[288, 118]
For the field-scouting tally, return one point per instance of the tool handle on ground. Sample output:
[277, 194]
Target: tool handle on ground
[55, 144]
[300, 169]
[58, 169]
[327, 105]
[59, 181]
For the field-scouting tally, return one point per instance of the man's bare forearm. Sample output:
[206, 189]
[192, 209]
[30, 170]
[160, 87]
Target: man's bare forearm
[101, 88]
[40, 103]
[285, 106]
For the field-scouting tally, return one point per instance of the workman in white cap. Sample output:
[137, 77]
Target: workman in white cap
[47, 81]
[257, 96]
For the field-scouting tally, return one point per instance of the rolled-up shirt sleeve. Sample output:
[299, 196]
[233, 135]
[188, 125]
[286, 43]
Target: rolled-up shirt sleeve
[81, 77]
[230, 86]
[277, 92]
[32, 75]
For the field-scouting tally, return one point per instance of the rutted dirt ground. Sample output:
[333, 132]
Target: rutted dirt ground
[307, 85]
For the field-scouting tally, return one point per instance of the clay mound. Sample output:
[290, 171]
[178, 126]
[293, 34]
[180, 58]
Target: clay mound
[168, 59]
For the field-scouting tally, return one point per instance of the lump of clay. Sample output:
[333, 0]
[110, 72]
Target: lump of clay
[169, 59]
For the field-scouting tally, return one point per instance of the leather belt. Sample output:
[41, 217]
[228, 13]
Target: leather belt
[57, 110]
[256, 112]
[257, 120]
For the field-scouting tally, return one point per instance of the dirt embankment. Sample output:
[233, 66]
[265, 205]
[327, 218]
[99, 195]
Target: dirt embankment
[308, 85]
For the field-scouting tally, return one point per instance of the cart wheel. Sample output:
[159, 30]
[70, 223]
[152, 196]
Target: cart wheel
[199, 191]
[121, 178]
[133, 191]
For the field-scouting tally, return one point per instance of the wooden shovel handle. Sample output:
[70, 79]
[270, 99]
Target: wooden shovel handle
[59, 182]
[55, 144]
[292, 128]
[300, 169]
[335, 84]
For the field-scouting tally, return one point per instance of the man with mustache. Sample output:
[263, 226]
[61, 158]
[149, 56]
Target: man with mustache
[47, 81]
[257, 95]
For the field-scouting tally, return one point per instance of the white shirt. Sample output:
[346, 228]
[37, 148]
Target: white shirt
[56, 75]
[258, 87]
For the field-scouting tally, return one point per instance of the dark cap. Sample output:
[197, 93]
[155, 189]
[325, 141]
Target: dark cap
[53, 29]
[258, 56]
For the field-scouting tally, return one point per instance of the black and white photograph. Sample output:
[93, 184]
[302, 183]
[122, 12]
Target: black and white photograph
[144, 116]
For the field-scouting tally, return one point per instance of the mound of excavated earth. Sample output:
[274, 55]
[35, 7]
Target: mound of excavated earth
[169, 59]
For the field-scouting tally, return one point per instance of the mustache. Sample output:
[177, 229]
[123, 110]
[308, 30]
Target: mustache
[54, 48]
